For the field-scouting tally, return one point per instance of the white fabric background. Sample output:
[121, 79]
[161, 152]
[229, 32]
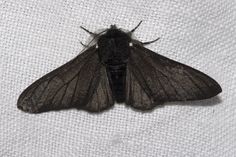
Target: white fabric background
[38, 36]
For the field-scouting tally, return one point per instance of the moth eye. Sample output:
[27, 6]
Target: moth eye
[96, 46]
[130, 44]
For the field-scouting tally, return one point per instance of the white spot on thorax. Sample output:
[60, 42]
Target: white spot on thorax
[130, 44]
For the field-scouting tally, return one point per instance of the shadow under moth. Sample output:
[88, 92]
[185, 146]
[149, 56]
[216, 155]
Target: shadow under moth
[114, 67]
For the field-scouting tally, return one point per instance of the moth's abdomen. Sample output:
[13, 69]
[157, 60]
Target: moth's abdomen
[117, 75]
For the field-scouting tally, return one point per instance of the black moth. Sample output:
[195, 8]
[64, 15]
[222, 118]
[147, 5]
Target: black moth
[119, 69]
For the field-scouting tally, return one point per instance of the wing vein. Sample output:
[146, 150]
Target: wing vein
[195, 84]
[156, 69]
[77, 74]
[165, 92]
[49, 81]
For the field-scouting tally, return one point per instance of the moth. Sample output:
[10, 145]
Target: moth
[114, 67]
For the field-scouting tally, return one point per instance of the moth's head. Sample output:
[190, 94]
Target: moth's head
[114, 32]
[113, 27]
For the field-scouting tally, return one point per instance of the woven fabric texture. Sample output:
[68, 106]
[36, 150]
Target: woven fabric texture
[36, 36]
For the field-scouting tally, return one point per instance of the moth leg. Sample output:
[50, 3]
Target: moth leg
[86, 46]
[136, 27]
[149, 42]
[89, 32]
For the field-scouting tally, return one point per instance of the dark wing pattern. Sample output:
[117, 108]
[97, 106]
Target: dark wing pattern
[79, 84]
[101, 97]
[153, 79]
[137, 93]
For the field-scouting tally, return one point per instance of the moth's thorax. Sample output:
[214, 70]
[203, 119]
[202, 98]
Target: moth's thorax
[113, 47]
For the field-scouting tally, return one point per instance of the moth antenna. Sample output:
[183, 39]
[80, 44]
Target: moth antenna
[136, 27]
[86, 30]
[149, 42]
